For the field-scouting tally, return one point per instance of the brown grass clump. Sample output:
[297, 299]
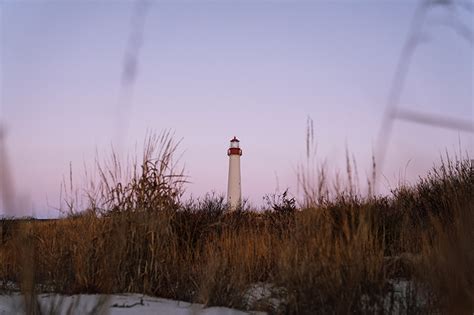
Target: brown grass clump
[327, 271]
[448, 253]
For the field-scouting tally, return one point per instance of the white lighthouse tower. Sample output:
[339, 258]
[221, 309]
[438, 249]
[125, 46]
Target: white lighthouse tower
[234, 191]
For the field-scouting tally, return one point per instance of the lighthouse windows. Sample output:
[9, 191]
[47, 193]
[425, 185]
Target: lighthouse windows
[234, 143]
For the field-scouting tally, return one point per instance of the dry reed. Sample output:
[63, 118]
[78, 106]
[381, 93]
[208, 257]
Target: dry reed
[338, 255]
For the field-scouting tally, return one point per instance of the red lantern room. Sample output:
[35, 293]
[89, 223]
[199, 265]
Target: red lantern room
[234, 147]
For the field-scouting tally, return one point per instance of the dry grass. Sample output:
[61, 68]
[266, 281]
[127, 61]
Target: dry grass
[333, 256]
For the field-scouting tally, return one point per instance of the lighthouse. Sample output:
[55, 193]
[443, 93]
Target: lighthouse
[234, 191]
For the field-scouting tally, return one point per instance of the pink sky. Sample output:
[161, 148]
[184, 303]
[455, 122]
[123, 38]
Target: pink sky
[212, 70]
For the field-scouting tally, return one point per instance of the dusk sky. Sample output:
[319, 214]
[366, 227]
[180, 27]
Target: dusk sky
[211, 70]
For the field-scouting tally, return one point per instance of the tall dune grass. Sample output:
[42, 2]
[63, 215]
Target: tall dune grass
[338, 255]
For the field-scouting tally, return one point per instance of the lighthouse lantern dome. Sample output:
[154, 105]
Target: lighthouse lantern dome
[234, 143]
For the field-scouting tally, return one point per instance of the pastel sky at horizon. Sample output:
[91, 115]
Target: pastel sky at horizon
[209, 70]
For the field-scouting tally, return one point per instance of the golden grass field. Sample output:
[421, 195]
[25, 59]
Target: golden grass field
[338, 255]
